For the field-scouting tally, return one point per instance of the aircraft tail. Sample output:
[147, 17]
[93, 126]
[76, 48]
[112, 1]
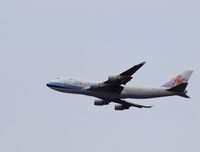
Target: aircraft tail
[179, 79]
[179, 83]
[180, 90]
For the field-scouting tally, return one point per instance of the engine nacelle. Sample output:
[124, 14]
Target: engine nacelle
[100, 102]
[121, 107]
[114, 79]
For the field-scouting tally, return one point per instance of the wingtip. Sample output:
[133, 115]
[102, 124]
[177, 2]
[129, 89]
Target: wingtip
[150, 106]
[141, 64]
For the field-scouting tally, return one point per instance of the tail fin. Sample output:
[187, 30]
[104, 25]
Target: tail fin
[179, 83]
[179, 79]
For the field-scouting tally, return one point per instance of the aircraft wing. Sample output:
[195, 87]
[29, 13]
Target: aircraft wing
[124, 77]
[123, 104]
[113, 84]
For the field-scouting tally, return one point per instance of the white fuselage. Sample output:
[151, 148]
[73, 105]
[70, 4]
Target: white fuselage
[136, 92]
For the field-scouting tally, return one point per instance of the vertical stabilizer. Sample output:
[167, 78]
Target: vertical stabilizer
[179, 79]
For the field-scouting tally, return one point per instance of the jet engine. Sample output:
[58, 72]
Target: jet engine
[100, 102]
[119, 79]
[114, 78]
[121, 107]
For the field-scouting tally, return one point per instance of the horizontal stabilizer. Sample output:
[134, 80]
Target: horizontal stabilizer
[179, 88]
[184, 95]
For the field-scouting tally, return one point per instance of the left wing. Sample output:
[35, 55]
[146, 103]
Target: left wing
[123, 104]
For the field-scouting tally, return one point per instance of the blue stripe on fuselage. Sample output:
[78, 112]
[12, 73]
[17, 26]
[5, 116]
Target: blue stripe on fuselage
[63, 85]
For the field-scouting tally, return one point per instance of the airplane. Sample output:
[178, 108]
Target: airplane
[115, 88]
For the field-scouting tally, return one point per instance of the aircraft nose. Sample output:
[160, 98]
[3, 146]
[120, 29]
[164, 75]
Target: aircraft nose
[52, 84]
[49, 84]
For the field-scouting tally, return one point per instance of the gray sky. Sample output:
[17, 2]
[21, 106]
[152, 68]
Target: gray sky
[89, 40]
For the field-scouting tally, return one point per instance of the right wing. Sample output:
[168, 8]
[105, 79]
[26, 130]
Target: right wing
[113, 84]
[124, 77]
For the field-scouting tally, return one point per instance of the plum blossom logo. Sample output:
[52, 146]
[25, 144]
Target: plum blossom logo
[178, 80]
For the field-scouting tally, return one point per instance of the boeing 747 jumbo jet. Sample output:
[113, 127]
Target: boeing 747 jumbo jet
[115, 89]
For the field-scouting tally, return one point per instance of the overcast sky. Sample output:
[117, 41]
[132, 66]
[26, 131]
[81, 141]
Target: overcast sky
[41, 40]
